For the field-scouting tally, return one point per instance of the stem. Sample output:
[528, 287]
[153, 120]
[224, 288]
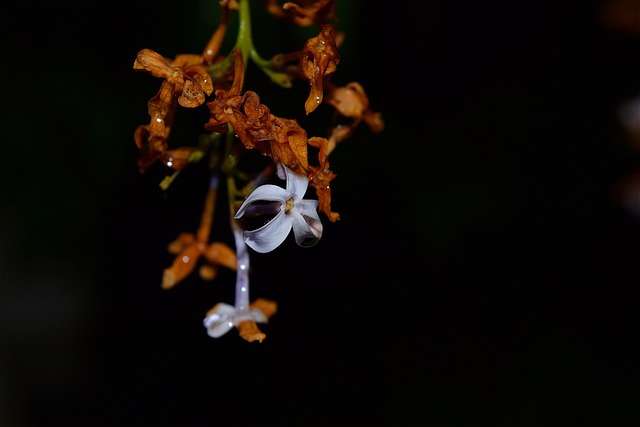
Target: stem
[245, 43]
[213, 47]
[242, 274]
[208, 212]
[244, 40]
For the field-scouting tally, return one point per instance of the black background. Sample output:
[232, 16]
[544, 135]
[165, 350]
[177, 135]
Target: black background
[482, 273]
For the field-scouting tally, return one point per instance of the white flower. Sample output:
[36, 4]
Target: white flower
[294, 212]
[223, 317]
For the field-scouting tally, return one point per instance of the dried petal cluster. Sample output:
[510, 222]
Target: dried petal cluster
[279, 138]
[303, 13]
[187, 83]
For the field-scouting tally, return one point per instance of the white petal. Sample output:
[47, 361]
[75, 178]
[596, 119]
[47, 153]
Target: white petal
[254, 314]
[220, 321]
[280, 171]
[258, 316]
[266, 192]
[309, 208]
[269, 236]
[305, 234]
[296, 184]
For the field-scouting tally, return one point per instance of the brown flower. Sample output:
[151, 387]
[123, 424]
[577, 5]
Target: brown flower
[190, 248]
[321, 184]
[318, 62]
[352, 102]
[186, 83]
[303, 12]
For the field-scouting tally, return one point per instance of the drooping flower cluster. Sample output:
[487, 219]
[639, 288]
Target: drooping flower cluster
[238, 124]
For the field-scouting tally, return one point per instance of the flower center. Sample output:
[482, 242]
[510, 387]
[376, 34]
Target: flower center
[288, 207]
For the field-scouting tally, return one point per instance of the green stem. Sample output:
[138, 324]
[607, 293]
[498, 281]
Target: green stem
[245, 43]
[229, 168]
[245, 40]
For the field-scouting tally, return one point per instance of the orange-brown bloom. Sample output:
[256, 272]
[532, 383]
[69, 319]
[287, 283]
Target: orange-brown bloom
[351, 101]
[188, 78]
[186, 82]
[303, 12]
[189, 249]
[318, 62]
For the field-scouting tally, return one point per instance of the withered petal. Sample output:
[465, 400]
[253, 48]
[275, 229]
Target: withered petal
[177, 158]
[248, 329]
[200, 75]
[183, 240]
[183, 264]
[222, 254]
[192, 95]
[318, 62]
[153, 62]
[208, 272]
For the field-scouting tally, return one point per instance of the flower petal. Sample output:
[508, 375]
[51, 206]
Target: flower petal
[307, 231]
[271, 235]
[219, 320]
[296, 185]
[266, 192]
[308, 207]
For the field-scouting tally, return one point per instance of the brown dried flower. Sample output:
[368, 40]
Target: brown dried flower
[303, 12]
[186, 82]
[318, 62]
[351, 101]
[190, 248]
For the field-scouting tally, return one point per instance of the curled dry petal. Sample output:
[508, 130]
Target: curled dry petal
[374, 120]
[182, 241]
[318, 62]
[302, 12]
[351, 101]
[321, 184]
[154, 63]
[229, 4]
[177, 158]
[151, 139]
[221, 254]
[183, 264]
[197, 84]
[192, 95]
[248, 330]
[185, 60]
[311, 12]
[208, 272]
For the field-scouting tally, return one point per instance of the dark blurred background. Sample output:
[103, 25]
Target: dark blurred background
[484, 271]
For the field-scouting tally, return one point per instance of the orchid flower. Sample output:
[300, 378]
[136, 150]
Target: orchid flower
[292, 212]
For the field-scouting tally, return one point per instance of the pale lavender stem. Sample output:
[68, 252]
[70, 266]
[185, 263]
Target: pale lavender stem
[242, 275]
